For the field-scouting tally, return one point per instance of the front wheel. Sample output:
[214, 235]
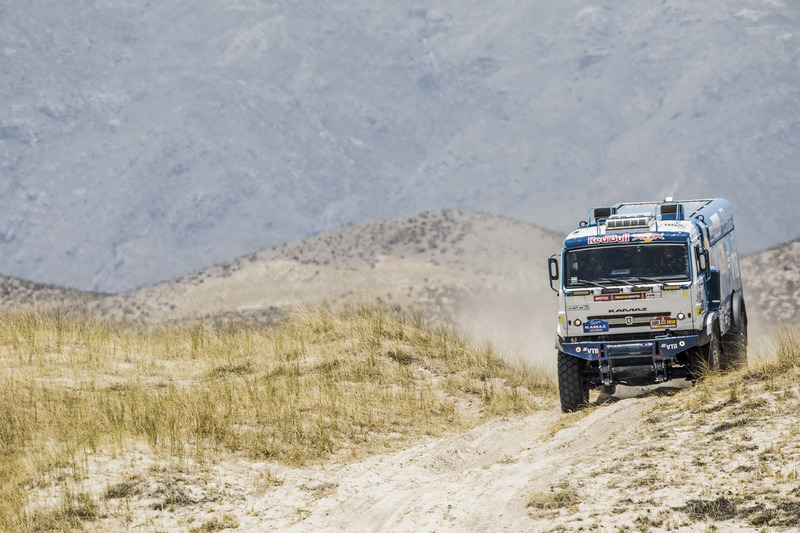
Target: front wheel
[572, 388]
[706, 358]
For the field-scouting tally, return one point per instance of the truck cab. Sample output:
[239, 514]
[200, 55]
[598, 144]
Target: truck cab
[648, 292]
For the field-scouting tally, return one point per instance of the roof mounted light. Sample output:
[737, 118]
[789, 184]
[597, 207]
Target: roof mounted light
[623, 223]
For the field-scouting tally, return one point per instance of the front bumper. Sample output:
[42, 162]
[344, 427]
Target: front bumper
[630, 361]
[667, 347]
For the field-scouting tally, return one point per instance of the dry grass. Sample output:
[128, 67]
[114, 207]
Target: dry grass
[722, 454]
[321, 385]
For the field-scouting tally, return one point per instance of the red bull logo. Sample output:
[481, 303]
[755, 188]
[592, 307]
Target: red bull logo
[610, 239]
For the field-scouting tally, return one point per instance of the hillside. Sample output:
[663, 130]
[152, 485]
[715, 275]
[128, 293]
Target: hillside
[140, 142]
[17, 293]
[483, 272]
[428, 260]
[773, 283]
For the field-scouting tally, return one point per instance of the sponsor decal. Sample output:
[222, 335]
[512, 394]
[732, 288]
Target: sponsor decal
[671, 347]
[631, 296]
[723, 267]
[577, 308]
[610, 239]
[615, 238]
[647, 237]
[631, 310]
[663, 322]
[595, 326]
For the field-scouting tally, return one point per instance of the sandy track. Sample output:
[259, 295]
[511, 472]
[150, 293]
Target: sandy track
[477, 481]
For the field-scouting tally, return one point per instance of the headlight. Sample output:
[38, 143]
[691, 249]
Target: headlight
[681, 316]
[577, 322]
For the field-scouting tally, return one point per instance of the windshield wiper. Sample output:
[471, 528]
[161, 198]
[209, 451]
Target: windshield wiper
[639, 279]
[587, 282]
[611, 280]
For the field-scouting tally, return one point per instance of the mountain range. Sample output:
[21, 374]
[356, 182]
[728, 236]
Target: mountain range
[143, 142]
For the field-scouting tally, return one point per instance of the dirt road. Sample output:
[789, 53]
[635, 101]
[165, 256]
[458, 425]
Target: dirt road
[481, 480]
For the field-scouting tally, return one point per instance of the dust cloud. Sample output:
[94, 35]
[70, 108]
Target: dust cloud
[519, 326]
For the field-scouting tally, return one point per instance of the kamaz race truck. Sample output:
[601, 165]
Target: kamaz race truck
[647, 292]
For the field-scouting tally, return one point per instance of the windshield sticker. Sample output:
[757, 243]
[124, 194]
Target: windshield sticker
[663, 322]
[595, 326]
[631, 296]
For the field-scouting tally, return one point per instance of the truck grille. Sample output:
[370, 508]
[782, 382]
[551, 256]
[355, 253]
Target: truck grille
[635, 320]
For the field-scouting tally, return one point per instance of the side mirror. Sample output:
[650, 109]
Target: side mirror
[552, 265]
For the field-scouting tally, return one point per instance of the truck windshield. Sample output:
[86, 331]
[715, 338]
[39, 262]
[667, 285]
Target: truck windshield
[642, 263]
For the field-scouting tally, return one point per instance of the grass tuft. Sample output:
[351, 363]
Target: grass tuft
[557, 498]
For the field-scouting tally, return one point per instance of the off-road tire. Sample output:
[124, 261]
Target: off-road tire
[734, 344]
[573, 390]
[706, 358]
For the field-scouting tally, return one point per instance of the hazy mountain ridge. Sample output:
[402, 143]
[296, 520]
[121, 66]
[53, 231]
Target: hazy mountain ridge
[432, 261]
[18, 293]
[142, 142]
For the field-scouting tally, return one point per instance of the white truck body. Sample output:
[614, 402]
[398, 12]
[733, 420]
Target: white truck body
[648, 292]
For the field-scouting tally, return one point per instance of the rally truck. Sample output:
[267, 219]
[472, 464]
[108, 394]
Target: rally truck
[647, 292]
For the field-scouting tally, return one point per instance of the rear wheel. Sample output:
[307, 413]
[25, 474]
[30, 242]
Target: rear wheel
[572, 388]
[734, 343]
[714, 353]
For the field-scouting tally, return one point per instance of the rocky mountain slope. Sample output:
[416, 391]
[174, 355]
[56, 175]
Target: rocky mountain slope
[772, 284]
[142, 142]
[17, 293]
